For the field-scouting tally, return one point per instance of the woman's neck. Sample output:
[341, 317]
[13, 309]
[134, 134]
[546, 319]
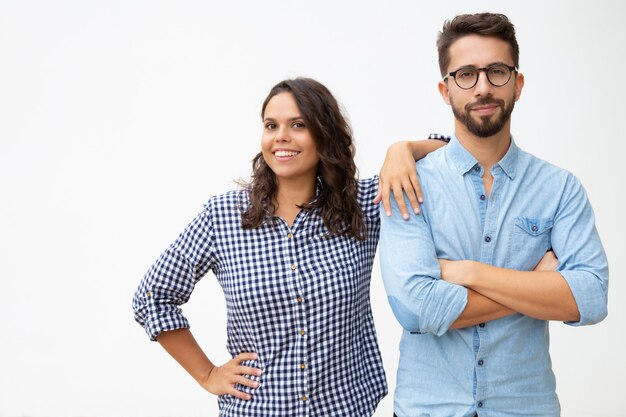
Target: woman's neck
[290, 196]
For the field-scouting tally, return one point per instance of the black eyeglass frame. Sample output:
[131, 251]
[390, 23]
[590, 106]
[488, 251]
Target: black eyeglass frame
[478, 70]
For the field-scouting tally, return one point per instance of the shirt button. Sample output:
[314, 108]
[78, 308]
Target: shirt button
[289, 235]
[487, 239]
[480, 404]
[535, 228]
[302, 332]
[482, 324]
[293, 267]
[299, 299]
[480, 362]
[483, 197]
[304, 398]
[302, 366]
[477, 169]
[148, 294]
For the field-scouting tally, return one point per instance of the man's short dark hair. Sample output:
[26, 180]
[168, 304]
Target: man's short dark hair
[483, 24]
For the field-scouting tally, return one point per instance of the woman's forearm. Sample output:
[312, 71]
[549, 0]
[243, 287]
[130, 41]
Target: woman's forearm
[182, 346]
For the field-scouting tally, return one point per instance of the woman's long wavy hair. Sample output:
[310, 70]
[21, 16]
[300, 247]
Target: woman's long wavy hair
[337, 196]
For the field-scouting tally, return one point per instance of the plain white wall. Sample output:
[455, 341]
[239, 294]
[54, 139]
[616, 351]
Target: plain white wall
[119, 118]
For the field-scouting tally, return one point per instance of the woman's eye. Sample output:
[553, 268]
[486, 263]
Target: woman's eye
[298, 125]
[270, 126]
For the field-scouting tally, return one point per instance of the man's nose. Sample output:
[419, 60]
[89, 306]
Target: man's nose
[483, 87]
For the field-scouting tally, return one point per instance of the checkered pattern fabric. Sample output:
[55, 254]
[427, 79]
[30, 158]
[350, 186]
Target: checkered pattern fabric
[439, 136]
[294, 295]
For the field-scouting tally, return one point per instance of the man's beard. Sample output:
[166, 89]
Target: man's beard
[485, 127]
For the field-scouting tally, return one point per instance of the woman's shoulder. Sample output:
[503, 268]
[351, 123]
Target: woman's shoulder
[368, 185]
[367, 190]
[234, 201]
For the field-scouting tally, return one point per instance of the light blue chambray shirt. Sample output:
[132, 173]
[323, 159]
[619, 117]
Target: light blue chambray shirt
[502, 367]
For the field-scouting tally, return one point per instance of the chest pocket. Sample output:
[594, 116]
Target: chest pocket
[529, 241]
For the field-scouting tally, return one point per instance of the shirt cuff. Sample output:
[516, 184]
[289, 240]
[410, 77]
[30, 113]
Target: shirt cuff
[162, 318]
[590, 296]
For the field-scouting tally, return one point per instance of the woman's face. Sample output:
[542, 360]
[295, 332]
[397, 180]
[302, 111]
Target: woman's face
[287, 144]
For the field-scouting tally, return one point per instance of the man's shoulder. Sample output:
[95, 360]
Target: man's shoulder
[435, 168]
[435, 159]
[546, 170]
[543, 179]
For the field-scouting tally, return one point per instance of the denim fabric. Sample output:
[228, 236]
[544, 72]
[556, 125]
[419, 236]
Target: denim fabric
[500, 368]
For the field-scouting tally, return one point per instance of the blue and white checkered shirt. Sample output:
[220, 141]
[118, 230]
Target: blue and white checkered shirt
[294, 295]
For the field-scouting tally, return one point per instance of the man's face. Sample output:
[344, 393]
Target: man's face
[484, 109]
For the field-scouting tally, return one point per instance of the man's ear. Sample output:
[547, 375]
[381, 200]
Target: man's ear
[519, 84]
[443, 90]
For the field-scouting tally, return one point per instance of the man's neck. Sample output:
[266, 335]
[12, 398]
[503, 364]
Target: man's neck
[487, 151]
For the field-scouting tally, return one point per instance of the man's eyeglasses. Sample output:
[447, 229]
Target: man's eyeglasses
[467, 77]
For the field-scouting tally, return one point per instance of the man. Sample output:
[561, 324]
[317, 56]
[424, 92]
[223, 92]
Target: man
[475, 313]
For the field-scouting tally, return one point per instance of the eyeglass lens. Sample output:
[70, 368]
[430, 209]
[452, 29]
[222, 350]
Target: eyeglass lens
[498, 75]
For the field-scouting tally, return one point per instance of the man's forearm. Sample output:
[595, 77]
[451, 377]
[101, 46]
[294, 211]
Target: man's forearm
[543, 295]
[480, 309]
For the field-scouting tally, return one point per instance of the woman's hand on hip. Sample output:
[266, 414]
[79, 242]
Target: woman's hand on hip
[223, 379]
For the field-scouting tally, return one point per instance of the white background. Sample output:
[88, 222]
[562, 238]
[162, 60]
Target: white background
[119, 118]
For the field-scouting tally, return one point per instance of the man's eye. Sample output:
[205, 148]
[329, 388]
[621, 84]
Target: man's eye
[466, 74]
[270, 126]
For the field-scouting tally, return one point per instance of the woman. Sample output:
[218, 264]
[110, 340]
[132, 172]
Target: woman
[293, 253]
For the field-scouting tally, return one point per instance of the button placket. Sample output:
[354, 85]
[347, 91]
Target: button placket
[293, 237]
[490, 221]
[490, 235]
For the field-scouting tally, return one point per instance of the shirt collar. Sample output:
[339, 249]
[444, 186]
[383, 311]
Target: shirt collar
[461, 158]
[465, 161]
[508, 163]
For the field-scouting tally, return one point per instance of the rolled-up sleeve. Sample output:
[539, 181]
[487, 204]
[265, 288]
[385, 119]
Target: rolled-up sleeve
[582, 259]
[420, 300]
[172, 278]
